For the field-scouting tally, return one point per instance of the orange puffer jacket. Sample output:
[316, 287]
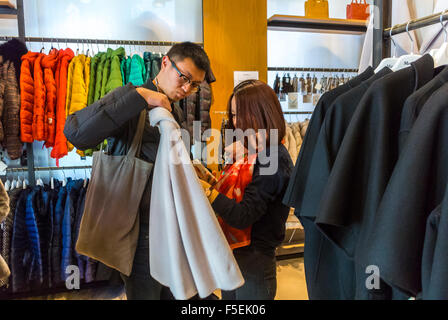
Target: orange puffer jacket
[27, 96]
[49, 64]
[60, 143]
[40, 93]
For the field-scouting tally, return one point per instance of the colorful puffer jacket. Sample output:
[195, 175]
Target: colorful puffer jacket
[60, 143]
[40, 93]
[138, 71]
[77, 87]
[27, 96]
[123, 70]
[10, 110]
[13, 50]
[99, 75]
[112, 72]
[49, 64]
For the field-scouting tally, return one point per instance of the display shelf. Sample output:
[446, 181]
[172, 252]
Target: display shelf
[7, 10]
[298, 23]
[6, 4]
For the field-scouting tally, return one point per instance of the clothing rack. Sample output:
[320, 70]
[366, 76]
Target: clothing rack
[311, 69]
[94, 41]
[416, 24]
[383, 30]
[48, 168]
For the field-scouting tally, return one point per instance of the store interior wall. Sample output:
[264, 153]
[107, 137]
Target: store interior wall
[150, 20]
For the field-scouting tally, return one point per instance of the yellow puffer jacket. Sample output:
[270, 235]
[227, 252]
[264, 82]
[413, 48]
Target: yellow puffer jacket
[77, 88]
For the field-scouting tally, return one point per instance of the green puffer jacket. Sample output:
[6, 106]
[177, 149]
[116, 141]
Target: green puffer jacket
[112, 72]
[99, 75]
[137, 71]
[92, 82]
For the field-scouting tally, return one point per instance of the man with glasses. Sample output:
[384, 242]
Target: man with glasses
[115, 118]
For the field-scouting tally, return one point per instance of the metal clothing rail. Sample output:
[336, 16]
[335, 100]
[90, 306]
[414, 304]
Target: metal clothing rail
[96, 41]
[48, 168]
[311, 69]
[382, 31]
[416, 24]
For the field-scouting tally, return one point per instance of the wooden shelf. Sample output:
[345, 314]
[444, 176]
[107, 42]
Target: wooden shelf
[298, 23]
[7, 10]
[6, 4]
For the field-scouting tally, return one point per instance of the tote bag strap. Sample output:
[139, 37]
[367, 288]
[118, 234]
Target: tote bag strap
[134, 150]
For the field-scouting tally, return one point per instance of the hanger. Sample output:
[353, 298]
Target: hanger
[43, 46]
[51, 180]
[13, 184]
[85, 178]
[441, 55]
[389, 62]
[7, 183]
[39, 181]
[24, 183]
[64, 182]
[405, 60]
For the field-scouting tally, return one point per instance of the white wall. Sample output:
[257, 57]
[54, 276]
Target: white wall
[158, 20]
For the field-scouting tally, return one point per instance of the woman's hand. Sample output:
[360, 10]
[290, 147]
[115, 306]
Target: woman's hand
[209, 192]
[154, 99]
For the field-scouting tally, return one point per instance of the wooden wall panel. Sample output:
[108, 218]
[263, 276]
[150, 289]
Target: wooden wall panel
[235, 39]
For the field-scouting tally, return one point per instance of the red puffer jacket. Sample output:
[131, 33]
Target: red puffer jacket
[40, 93]
[27, 96]
[60, 143]
[49, 64]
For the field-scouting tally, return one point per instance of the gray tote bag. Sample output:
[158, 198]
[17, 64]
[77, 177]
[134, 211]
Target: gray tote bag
[110, 223]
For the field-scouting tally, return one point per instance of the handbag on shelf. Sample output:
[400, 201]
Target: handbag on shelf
[110, 223]
[317, 9]
[358, 10]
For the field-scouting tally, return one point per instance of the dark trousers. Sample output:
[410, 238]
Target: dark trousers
[259, 273]
[140, 285]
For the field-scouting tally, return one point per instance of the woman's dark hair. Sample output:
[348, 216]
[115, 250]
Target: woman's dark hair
[257, 107]
[183, 50]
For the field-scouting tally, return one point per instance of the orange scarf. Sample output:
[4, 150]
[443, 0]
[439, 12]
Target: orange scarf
[232, 184]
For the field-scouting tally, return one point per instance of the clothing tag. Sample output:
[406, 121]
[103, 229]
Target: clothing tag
[318, 86]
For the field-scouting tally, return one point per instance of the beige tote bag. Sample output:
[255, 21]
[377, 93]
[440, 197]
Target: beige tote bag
[110, 223]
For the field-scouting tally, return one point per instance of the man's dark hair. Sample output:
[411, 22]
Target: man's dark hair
[183, 50]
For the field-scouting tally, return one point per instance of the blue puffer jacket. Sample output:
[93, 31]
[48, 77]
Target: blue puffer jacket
[20, 249]
[73, 189]
[56, 243]
[87, 266]
[35, 276]
[49, 204]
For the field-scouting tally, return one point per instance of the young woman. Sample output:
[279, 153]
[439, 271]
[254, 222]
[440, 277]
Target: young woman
[248, 196]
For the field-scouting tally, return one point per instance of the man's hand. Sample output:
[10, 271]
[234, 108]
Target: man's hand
[154, 99]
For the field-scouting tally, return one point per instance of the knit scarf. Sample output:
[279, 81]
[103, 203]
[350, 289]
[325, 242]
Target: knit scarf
[232, 184]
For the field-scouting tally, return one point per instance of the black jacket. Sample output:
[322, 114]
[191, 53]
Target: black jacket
[261, 206]
[416, 188]
[115, 118]
[435, 259]
[365, 162]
